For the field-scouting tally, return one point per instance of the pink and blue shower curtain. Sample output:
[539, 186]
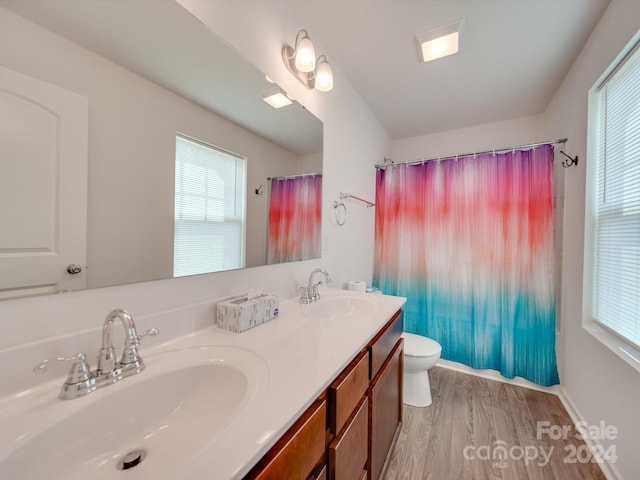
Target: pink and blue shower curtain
[469, 242]
[295, 205]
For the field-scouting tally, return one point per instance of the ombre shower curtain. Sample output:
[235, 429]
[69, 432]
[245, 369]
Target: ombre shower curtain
[469, 242]
[294, 218]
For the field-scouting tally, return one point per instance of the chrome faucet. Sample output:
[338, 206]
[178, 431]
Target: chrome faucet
[82, 381]
[130, 362]
[310, 293]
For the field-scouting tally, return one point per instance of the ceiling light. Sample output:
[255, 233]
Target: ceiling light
[276, 98]
[440, 42]
[301, 61]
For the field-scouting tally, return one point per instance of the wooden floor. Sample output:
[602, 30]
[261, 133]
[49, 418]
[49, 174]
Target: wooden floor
[479, 429]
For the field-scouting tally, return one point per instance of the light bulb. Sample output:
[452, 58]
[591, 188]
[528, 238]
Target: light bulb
[305, 56]
[324, 77]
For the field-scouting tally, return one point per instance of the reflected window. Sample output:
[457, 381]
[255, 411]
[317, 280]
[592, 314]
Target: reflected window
[210, 210]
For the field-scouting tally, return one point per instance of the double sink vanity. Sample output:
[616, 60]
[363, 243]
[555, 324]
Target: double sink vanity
[314, 393]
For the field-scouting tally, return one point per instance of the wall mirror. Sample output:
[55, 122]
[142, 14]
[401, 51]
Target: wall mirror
[151, 72]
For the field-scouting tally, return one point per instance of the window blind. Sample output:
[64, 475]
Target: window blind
[617, 233]
[209, 233]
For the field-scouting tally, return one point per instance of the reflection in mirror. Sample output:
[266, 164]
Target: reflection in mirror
[294, 218]
[149, 71]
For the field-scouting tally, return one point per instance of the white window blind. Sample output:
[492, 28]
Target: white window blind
[617, 234]
[209, 209]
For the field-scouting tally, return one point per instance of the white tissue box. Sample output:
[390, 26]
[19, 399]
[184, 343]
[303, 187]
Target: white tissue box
[241, 313]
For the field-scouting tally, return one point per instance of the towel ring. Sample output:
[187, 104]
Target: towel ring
[341, 212]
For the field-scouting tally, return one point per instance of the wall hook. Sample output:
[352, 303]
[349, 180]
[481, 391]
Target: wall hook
[570, 161]
[259, 190]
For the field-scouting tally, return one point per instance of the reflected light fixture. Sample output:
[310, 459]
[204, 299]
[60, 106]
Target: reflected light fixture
[301, 61]
[440, 42]
[276, 98]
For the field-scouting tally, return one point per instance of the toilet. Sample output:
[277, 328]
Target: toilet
[420, 354]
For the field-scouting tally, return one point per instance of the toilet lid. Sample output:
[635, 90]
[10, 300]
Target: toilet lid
[419, 346]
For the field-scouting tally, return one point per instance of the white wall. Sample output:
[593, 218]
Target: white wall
[517, 131]
[354, 141]
[601, 386]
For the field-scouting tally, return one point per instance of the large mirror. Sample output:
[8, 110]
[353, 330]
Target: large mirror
[151, 74]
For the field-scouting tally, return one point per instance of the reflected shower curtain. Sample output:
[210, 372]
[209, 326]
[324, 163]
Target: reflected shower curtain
[469, 242]
[294, 218]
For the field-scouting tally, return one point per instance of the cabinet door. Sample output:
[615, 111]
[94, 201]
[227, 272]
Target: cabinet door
[385, 397]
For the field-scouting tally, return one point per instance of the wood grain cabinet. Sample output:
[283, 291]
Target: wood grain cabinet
[385, 394]
[348, 432]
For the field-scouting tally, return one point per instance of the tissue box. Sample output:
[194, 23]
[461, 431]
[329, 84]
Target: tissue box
[242, 313]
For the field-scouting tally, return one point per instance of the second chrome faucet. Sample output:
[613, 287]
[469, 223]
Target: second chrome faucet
[310, 294]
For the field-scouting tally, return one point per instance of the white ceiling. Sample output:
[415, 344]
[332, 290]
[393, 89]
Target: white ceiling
[514, 57]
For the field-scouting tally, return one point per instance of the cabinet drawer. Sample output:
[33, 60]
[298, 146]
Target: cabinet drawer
[347, 390]
[296, 454]
[348, 452]
[384, 341]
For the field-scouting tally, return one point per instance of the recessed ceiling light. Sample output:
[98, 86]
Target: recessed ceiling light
[276, 98]
[440, 42]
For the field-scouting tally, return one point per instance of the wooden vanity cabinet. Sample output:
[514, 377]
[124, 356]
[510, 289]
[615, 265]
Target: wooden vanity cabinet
[347, 433]
[385, 393]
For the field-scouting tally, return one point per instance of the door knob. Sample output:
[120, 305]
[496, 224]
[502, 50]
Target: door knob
[74, 268]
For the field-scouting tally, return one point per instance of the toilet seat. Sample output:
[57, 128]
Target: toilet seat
[420, 346]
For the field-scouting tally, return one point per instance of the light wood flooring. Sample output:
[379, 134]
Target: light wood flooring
[457, 437]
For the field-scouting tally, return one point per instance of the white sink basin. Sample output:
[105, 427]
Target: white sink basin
[341, 306]
[181, 404]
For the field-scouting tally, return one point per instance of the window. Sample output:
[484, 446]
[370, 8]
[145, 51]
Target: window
[209, 227]
[615, 141]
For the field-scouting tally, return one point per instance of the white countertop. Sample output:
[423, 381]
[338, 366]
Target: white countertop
[302, 356]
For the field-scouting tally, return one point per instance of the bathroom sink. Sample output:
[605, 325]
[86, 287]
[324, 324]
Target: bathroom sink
[184, 402]
[342, 306]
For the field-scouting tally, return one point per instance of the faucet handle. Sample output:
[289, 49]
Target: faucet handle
[152, 332]
[80, 370]
[130, 355]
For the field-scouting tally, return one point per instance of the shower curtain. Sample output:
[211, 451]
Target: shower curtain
[294, 218]
[469, 242]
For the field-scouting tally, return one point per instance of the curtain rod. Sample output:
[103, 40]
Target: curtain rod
[495, 150]
[295, 176]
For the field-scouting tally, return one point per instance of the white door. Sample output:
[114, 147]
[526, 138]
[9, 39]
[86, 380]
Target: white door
[43, 186]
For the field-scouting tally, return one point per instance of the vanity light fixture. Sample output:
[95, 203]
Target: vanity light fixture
[276, 98]
[301, 61]
[440, 42]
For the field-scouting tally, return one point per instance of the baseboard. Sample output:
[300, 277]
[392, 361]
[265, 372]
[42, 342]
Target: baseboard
[495, 375]
[608, 469]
